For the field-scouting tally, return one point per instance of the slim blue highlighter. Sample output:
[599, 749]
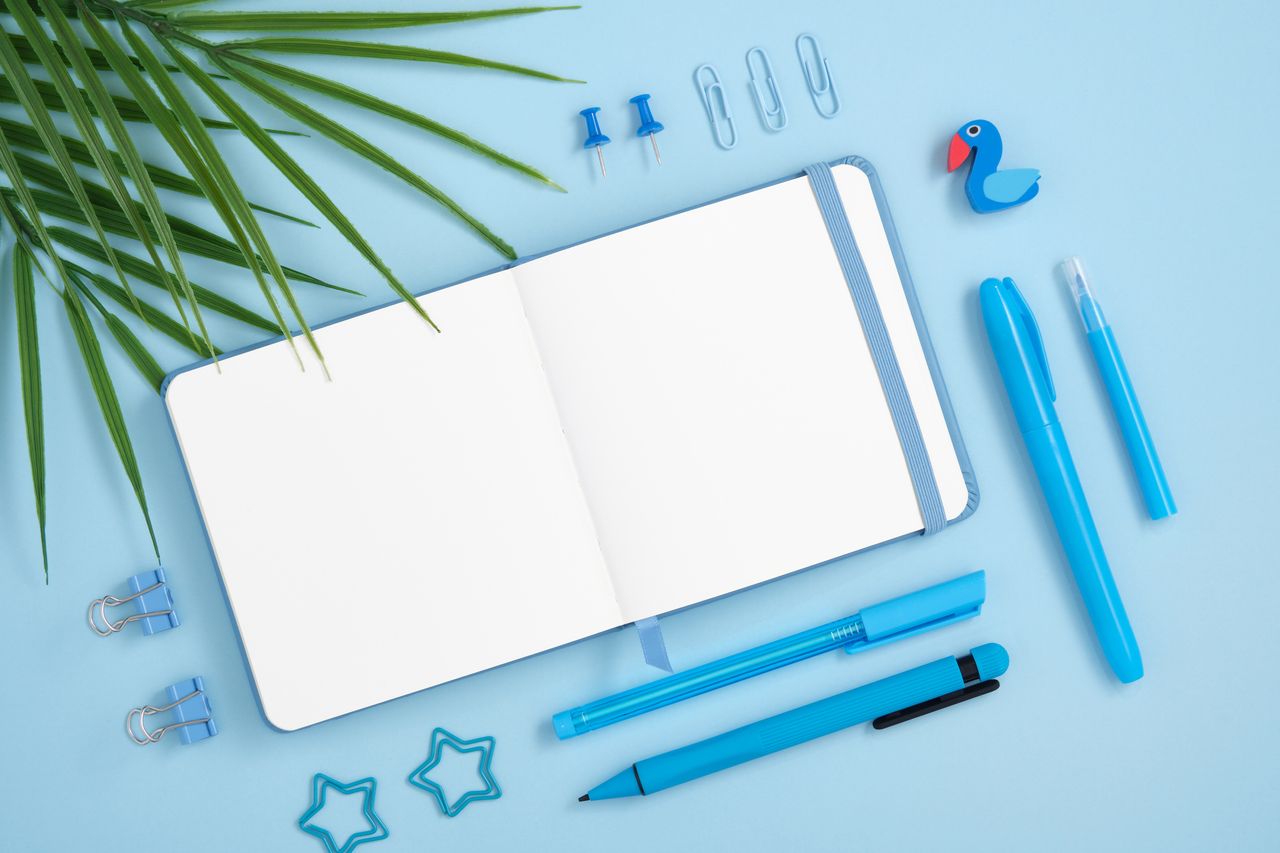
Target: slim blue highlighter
[1124, 400]
[1019, 353]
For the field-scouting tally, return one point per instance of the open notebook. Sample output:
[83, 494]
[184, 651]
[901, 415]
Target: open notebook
[605, 433]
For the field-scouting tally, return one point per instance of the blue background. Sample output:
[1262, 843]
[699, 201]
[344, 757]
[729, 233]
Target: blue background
[1155, 125]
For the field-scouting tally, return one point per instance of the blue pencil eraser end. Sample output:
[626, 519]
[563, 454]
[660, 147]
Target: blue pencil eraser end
[563, 725]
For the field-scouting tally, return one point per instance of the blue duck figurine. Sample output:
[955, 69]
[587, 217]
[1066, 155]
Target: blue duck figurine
[989, 188]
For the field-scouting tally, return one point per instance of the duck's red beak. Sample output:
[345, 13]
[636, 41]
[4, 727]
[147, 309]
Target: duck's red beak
[957, 153]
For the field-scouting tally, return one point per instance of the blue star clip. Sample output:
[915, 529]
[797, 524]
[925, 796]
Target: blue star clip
[319, 788]
[483, 745]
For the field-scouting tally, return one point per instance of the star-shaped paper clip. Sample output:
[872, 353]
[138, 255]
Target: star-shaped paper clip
[319, 788]
[484, 745]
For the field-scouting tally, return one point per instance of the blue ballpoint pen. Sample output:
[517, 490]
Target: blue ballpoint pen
[1019, 352]
[886, 622]
[1124, 400]
[889, 701]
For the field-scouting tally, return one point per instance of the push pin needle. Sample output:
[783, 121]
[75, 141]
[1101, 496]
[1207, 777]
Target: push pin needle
[648, 127]
[595, 138]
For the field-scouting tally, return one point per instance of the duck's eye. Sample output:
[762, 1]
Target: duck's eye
[973, 130]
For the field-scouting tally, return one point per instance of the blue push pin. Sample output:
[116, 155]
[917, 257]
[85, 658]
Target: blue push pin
[594, 136]
[648, 126]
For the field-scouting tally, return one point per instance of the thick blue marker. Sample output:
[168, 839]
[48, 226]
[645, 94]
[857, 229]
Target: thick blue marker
[1019, 352]
[889, 701]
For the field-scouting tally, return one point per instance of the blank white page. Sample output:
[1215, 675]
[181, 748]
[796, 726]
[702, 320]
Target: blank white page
[719, 395]
[415, 520]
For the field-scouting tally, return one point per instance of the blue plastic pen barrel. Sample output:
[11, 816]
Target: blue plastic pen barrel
[1124, 400]
[1019, 353]
[788, 729]
[887, 621]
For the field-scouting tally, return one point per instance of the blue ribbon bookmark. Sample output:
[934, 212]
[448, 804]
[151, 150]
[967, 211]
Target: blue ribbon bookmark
[652, 644]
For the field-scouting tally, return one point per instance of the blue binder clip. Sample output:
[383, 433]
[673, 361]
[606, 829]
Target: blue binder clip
[820, 85]
[775, 117]
[192, 716]
[151, 599]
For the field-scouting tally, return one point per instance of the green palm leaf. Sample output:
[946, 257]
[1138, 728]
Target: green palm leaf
[32, 395]
[129, 109]
[23, 194]
[371, 50]
[225, 181]
[144, 272]
[345, 93]
[176, 136]
[128, 341]
[100, 98]
[105, 390]
[154, 213]
[300, 179]
[25, 136]
[43, 122]
[30, 57]
[353, 141]
[154, 317]
[246, 21]
[191, 238]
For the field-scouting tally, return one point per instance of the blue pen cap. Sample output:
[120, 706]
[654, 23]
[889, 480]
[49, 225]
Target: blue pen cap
[991, 659]
[1019, 351]
[922, 611]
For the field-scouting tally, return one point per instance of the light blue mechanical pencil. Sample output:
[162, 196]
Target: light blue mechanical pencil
[1019, 352]
[896, 619]
[891, 700]
[1124, 400]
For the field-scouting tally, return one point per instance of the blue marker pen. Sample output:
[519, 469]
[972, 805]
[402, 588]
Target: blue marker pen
[1019, 353]
[1124, 401]
[889, 701]
[886, 622]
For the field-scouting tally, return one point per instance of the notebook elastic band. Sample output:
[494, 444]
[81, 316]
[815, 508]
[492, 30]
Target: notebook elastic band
[895, 388]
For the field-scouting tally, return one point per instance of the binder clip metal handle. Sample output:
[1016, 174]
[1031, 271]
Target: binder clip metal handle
[193, 719]
[151, 599]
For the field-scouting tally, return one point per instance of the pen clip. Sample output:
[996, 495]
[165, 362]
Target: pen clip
[1033, 332]
[972, 691]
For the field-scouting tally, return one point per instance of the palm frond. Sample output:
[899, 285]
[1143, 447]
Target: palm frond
[191, 238]
[151, 315]
[342, 92]
[101, 101]
[297, 176]
[356, 143]
[127, 340]
[24, 298]
[108, 402]
[372, 50]
[129, 109]
[43, 122]
[175, 134]
[25, 136]
[226, 182]
[23, 194]
[247, 21]
[144, 272]
[70, 194]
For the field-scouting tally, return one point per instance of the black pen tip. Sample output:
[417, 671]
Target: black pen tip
[584, 798]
